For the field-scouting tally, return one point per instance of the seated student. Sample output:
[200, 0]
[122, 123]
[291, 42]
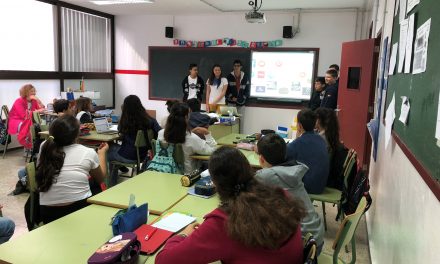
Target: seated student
[196, 118]
[177, 131]
[317, 94]
[327, 126]
[254, 223]
[288, 175]
[169, 104]
[62, 107]
[83, 109]
[63, 169]
[310, 149]
[7, 228]
[133, 118]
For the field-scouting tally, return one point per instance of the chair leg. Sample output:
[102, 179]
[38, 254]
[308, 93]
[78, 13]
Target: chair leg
[323, 215]
[6, 146]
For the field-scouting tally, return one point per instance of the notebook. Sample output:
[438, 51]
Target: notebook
[156, 239]
[103, 127]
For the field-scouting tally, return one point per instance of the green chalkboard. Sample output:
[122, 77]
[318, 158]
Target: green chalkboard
[423, 93]
[168, 66]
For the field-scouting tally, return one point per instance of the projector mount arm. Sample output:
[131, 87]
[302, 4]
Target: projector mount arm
[254, 4]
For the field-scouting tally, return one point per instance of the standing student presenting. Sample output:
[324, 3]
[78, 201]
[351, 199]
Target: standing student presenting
[193, 84]
[216, 88]
[238, 86]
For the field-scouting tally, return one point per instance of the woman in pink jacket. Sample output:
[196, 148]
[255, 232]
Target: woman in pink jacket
[254, 223]
[27, 102]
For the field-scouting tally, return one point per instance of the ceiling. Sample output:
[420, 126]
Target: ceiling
[190, 7]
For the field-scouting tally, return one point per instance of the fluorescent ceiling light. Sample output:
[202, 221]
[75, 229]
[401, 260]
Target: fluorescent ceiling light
[118, 2]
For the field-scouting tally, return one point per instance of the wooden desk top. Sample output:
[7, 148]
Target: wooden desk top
[93, 136]
[71, 239]
[160, 190]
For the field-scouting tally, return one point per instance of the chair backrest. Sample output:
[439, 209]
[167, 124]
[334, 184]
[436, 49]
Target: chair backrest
[140, 142]
[30, 170]
[350, 161]
[5, 110]
[36, 117]
[347, 230]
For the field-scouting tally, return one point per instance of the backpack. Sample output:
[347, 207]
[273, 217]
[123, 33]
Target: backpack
[357, 187]
[336, 174]
[163, 161]
[4, 136]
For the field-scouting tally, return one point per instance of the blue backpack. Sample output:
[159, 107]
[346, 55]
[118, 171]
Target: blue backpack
[163, 160]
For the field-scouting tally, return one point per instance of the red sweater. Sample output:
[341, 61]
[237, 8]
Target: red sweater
[210, 242]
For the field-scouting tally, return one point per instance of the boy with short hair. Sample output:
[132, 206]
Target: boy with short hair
[196, 118]
[193, 84]
[330, 99]
[310, 148]
[277, 171]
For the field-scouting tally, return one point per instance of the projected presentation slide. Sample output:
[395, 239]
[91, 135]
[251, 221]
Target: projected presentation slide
[282, 75]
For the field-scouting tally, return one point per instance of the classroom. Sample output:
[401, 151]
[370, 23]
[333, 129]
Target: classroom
[121, 63]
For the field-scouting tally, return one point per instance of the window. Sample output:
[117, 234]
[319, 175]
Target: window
[86, 42]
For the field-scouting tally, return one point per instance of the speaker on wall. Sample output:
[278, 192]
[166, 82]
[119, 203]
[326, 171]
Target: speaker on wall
[169, 32]
[287, 32]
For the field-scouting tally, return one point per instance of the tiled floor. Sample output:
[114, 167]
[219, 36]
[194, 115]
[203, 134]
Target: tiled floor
[13, 208]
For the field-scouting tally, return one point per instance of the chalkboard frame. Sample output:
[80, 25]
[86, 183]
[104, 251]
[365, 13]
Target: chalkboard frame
[251, 101]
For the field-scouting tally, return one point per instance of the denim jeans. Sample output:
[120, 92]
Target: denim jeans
[22, 176]
[112, 155]
[7, 228]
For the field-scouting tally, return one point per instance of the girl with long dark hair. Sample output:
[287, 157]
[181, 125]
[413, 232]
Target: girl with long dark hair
[216, 88]
[177, 131]
[254, 223]
[134, 117]
[63, 170]
[327, 126]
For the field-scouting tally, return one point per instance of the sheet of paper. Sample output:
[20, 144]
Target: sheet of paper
[437, 129]
[402, 13]
[411, 4]
[396, 8]
[174, 222]
[393, 58]
[421, 47]
[409, 44]
[404, 110]
[402, 44]
[389, 120]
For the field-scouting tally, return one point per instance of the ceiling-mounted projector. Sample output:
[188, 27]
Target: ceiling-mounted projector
[254, 16]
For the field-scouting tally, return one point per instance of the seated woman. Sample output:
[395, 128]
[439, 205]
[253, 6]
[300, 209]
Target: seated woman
[327, 126]
[254, 223]
[83, 109]
[22, 107]
[177, 131]
[63, 170]
[134, 117]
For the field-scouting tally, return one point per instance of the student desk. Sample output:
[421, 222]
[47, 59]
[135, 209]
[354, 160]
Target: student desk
[229, 140]
[197, 207]
[93, 136]
[71, 239]
[159, 190]
[251, 156]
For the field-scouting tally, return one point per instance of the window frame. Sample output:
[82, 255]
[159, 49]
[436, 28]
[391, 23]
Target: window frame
[60, 74]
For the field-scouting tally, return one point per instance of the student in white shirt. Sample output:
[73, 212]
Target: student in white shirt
[216, 88]
[63, 170]
[177, 131]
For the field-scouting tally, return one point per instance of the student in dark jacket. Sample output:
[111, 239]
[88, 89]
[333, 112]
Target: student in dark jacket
[315, 100]
[193, 84]
[330, 99]
[269, 232]
[238, 86]
[310, 149]
[196, 118]
[134, 117]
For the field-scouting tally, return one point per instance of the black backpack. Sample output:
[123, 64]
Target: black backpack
[358, 186]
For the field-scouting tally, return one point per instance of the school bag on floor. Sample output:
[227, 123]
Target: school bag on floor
[163, 160]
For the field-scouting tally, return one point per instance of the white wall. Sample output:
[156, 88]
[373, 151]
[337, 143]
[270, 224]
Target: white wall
[134, 34]
[403, 220]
